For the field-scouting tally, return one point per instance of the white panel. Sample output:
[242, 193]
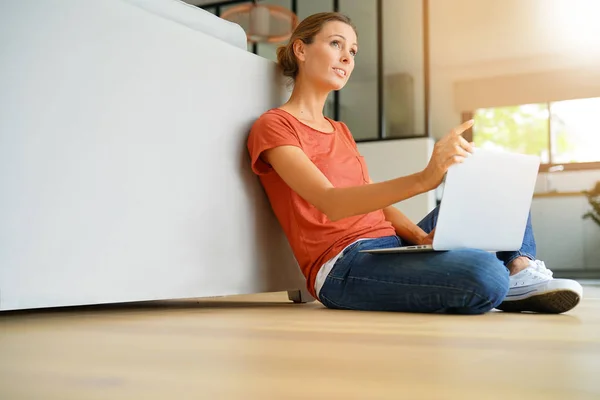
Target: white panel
[591, 244]
[123, 164]
[559, 232]
[195, 18]
[565, 239]
[570, 181]
[389, 159]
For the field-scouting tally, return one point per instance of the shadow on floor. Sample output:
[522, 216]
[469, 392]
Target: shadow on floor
[159, 305]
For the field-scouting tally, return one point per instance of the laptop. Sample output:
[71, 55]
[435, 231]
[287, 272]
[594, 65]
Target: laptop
[485, 204]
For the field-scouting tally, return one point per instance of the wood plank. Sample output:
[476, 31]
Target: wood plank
[558, 194]
[264, 347]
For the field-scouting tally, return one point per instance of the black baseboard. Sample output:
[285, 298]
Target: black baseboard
[576, 274]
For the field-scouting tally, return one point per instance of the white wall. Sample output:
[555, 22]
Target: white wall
[393, 158]
[564, 240]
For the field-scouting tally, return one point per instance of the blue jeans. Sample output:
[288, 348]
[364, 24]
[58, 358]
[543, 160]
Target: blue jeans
[458, 281]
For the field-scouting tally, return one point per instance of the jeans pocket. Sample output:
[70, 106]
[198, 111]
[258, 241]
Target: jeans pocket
[341, 268]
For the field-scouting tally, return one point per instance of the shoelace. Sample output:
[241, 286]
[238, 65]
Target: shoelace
[539, 266]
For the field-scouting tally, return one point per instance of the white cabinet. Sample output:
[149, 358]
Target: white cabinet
[564, 240]
[389, 159]
[591, 244]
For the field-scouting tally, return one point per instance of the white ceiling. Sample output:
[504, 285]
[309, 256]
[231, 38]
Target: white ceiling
[468, 32]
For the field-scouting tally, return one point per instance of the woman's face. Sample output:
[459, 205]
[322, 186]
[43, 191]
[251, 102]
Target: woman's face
[329, 60]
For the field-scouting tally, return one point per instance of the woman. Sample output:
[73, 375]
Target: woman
[320, 190]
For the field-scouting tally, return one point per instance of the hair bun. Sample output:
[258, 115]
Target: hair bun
[287, 61]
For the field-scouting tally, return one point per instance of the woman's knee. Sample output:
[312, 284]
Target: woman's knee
[487, 278]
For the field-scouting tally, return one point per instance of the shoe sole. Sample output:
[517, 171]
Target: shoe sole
[555, 302]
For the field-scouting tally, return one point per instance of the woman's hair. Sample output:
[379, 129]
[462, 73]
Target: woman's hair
[306, 31]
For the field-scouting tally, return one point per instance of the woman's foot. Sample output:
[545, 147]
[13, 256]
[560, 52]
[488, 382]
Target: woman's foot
[532, 288]
[518, 264]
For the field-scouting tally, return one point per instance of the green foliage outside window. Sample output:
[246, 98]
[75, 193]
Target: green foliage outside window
[521, 129]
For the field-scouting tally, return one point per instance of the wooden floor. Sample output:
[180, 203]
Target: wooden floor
[263, 347]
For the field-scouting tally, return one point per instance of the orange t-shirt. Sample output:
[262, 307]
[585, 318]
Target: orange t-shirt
[314, 239]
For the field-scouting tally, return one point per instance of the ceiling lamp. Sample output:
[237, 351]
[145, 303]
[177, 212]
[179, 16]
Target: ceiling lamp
[263, 23]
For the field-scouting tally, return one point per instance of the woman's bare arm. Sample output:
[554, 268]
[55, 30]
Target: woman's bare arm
[404, 227]
[302, 176]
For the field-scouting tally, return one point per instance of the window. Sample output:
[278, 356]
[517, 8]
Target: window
[377, 103]
[575, 131]
[562, 132]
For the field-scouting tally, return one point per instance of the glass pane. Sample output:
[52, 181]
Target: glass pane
[575, 130]
[404, 87]
[521, 129]
[227, 7]
[358, 99]
[267, 50]
[310, 7]
[329, 109]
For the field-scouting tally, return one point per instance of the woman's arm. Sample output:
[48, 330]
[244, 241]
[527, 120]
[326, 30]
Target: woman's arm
[404, 227]
[303, 177]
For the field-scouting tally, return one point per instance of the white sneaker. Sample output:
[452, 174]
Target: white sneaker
[534, 289]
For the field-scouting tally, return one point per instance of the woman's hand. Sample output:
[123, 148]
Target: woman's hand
[451, 149]
[429, 238]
